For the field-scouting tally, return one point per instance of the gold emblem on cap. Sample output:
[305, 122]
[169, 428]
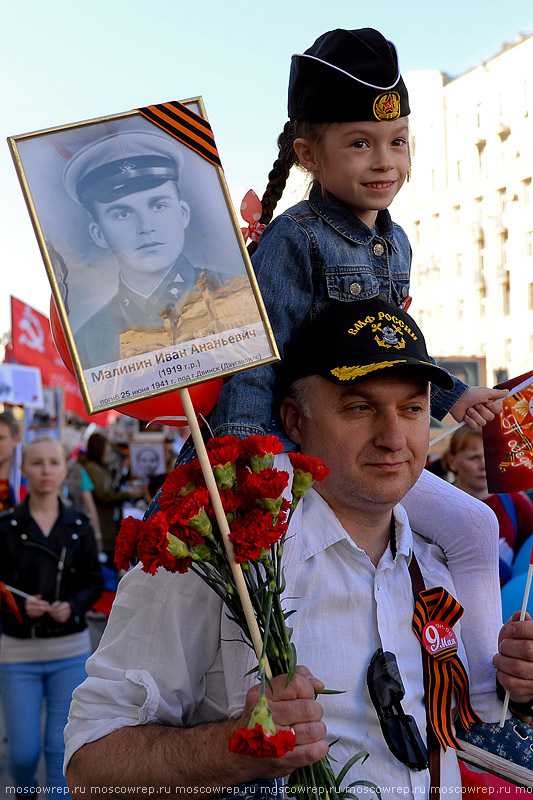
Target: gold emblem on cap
[349, 373]
[387, 106]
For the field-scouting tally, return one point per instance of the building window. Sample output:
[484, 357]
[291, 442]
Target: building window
[530, 287]
[482, 300]
[459, 170]
[506, 297]
[459, 263]
[502, 249]
[502, 200]
[528, 195]
[508, 347]
[416, 229]
[529, 244]
[480, 146]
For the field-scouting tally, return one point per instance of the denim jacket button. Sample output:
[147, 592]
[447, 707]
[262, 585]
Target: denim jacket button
[382, 296]
[355, 288]
[378, 249]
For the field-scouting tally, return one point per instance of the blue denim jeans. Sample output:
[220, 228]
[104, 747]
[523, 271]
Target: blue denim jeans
[24, 687]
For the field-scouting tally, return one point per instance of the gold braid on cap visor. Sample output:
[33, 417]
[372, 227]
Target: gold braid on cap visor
[349, 373]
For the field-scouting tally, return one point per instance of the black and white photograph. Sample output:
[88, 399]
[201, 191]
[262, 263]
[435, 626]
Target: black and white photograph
[146, 262]
[147, 459]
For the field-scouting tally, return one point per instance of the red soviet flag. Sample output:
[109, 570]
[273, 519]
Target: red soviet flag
[32, 344]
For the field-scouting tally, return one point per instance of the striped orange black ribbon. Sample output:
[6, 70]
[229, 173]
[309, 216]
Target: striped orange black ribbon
[446, 672]
[182, 123]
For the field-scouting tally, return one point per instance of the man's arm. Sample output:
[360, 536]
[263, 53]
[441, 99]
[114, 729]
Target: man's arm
[160, 756]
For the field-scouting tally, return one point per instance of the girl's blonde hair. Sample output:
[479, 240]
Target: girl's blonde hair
[45, 439]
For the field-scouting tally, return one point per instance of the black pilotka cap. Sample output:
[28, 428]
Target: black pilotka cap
[347, 76]
[351, 342]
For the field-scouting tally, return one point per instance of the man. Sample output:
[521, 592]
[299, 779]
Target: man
[165, 705]
[12, 490]
[129, 184]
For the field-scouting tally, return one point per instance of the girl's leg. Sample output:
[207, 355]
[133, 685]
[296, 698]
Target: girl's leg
[22, 697]
[61, 679]
[468, 532]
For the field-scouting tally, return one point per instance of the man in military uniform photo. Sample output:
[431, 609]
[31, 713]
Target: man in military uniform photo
[129, 185]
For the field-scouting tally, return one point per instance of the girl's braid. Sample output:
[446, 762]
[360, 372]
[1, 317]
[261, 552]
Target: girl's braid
[278, 175]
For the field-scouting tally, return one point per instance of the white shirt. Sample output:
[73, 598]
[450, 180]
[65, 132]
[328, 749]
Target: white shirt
[169, 654]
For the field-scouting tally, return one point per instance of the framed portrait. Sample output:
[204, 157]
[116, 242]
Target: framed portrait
[147, 459]
[471, 370]
[45, 420]
[144, 254]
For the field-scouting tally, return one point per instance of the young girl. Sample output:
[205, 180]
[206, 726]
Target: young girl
[348, 108]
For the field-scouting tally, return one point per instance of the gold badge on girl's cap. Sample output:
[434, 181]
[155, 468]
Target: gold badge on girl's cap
[387, 106]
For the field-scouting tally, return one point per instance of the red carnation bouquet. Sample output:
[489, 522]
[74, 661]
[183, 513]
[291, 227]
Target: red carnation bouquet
[186, 534]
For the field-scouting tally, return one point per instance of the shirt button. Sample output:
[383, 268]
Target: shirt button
[378, 249]
[355, 288]
[382, 296]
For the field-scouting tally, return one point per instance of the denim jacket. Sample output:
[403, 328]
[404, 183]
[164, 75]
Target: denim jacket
[315, 251]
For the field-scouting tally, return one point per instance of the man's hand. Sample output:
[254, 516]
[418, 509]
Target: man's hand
[36, 607]
[478, 405]
[514, 660]
[293, 706]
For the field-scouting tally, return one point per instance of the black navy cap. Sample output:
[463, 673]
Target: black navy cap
[347, 76]
[351, 342]
[122, 164]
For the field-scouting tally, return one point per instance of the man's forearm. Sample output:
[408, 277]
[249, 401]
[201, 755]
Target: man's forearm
[159, 756]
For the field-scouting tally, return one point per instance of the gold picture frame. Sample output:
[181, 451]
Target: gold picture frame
[144, 254]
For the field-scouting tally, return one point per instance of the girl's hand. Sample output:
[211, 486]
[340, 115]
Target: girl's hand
[478, 405]
[60, 611]
[36, 607]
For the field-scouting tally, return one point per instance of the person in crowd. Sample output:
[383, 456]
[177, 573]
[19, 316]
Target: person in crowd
[162, 700]
[80, 494]
[108, 500]
[48, 553]
[12, 483]
[466, 459]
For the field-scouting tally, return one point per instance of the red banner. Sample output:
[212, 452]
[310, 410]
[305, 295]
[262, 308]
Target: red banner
[508, 439]
[32, 344]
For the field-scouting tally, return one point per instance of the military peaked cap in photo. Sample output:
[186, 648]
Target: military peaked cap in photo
[347, 76]
[351, 342]
[122, 164]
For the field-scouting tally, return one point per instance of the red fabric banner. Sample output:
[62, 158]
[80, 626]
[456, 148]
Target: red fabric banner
[32, 344]
[508, 439]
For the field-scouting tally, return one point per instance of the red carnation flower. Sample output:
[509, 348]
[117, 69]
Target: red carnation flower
[177, 481]
[269, 484]
[188, 535]
[230, 502]
[261, 446]
[317, 469]
[223, 450]
[127, 540]
[152, 546]
[256, 743]
[189, 505]
[253, 533]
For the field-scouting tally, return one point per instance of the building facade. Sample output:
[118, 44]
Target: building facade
[468, 210]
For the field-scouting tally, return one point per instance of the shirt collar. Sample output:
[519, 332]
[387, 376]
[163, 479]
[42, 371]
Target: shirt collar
[345, 222]
[179, 273]
[321, 528]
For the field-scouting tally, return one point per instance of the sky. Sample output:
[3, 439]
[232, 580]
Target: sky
[64, 61]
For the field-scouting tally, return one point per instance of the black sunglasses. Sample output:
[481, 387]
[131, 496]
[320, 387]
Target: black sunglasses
[399, 729]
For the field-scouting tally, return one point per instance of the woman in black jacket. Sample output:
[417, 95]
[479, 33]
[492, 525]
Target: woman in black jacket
[48, 552]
